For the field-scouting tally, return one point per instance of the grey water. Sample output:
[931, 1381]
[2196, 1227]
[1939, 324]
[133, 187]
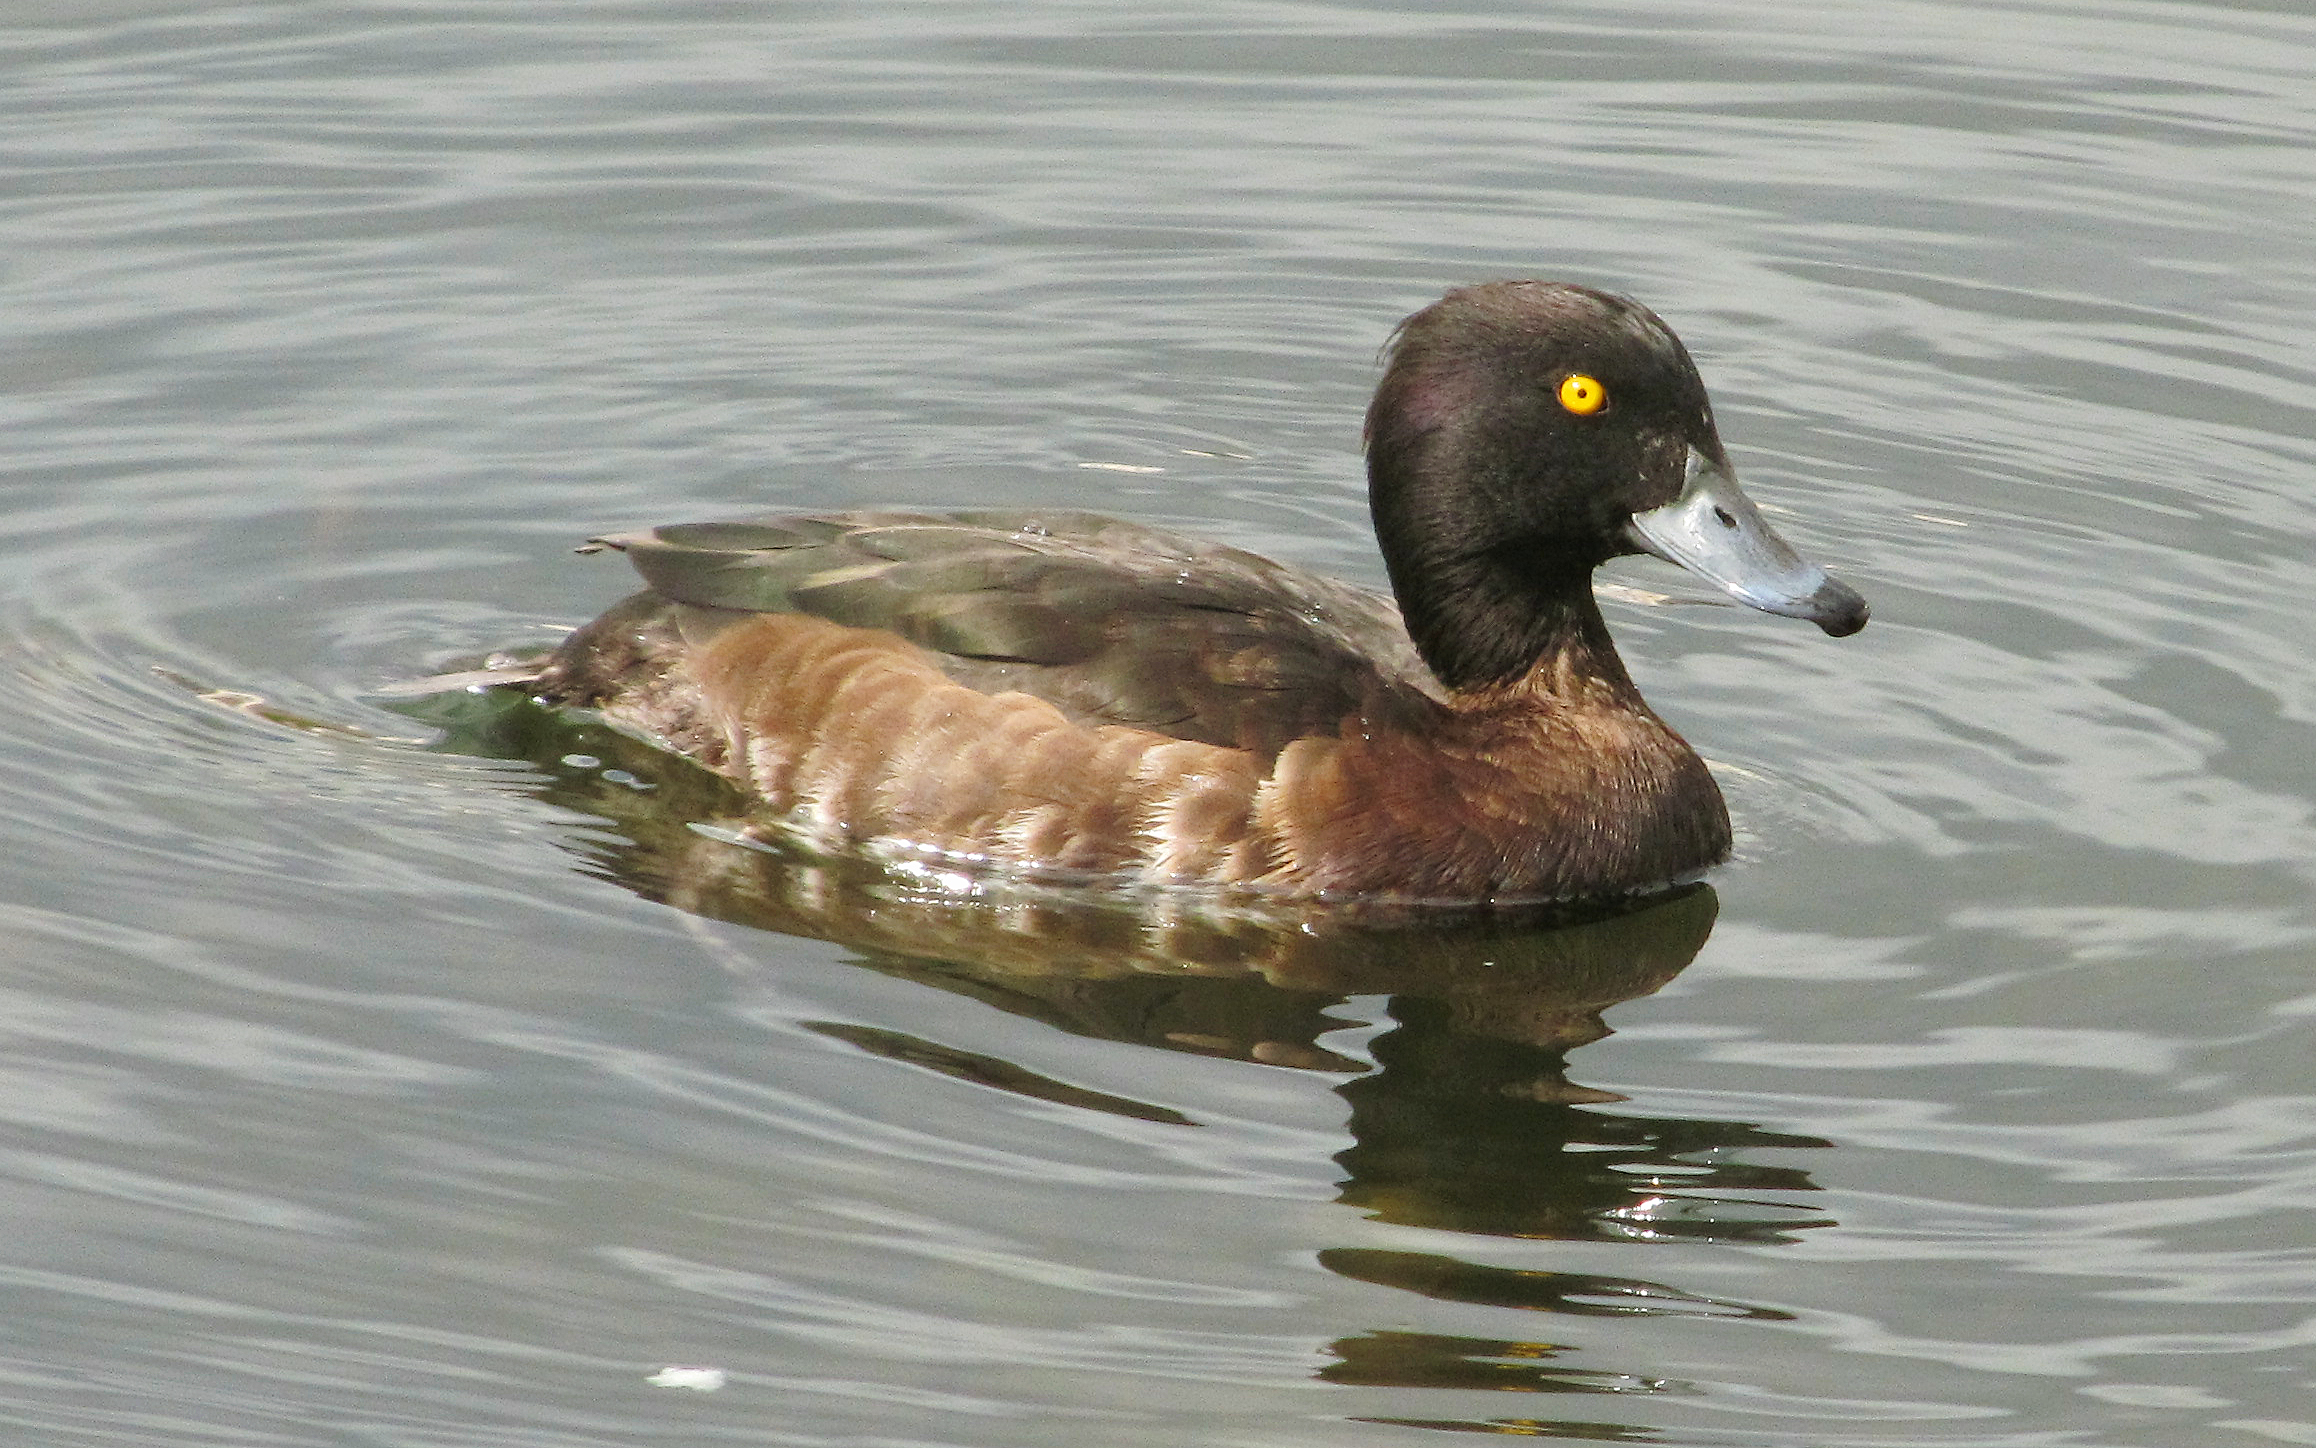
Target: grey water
[422, 1076]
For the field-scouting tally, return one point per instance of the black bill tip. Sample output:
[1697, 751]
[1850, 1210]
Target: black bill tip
[1837, 608]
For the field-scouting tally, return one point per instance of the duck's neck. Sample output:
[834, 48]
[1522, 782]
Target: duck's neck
[1495, 622]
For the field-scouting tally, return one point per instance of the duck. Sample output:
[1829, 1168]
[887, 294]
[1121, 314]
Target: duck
[1060, 696]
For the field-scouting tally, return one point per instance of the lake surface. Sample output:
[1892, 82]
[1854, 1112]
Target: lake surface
[415, 1076]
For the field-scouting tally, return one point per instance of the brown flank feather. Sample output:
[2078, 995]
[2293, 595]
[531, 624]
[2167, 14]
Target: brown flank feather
[1561, 784]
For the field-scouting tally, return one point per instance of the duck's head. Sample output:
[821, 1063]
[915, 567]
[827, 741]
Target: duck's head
[1526, 432]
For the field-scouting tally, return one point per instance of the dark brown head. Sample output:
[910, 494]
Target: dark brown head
[1526, 432]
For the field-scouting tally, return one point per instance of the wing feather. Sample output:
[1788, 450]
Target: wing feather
[1110, 621]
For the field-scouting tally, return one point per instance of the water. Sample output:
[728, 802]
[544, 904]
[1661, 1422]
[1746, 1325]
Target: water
[406, 1080]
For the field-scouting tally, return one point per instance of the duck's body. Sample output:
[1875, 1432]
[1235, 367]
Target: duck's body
[1062, 695]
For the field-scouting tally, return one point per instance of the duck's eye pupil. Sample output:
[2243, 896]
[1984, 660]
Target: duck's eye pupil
[1582, 395]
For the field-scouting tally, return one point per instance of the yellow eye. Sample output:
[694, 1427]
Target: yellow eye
[1583, 395]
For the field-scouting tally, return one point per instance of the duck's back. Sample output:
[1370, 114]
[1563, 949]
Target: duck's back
[1109, 621]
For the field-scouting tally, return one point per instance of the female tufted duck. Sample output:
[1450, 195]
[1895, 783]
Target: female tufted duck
[1067, 696]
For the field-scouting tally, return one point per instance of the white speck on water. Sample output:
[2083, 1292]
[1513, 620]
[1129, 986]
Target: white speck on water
[699, 1380]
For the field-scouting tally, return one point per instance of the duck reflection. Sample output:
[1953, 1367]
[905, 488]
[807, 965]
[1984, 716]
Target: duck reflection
[1466, 1122]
